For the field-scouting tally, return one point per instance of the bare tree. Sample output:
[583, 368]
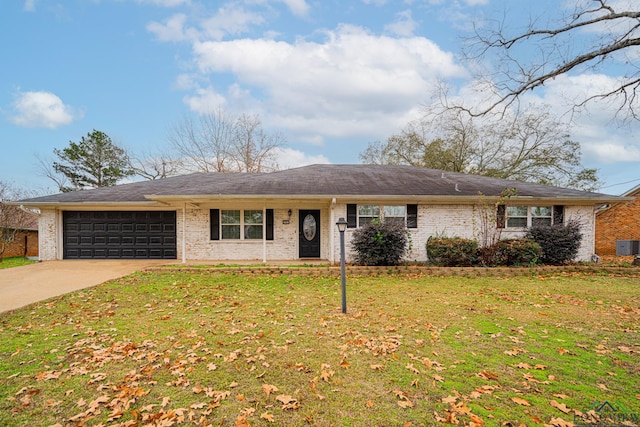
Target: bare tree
[157, 165]
[220, 142]
[527, 58]
[532, 146]
[13, 219]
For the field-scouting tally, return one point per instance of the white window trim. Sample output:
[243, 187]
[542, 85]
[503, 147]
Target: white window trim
[242, 225]
[381, 215]
[529, 216]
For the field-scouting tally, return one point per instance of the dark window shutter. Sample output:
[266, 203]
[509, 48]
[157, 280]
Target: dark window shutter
[214, 220]
[501, 216]
[412, 216]
[269, 224]
[352, 216]
[558, 214]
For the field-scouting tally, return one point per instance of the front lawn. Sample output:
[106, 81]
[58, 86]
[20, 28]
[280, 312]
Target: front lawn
[15, 262]
[175, 348]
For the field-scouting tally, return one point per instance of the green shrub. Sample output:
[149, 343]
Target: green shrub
[515, 252]
[452, 251]
[380, 243]
[559, 242]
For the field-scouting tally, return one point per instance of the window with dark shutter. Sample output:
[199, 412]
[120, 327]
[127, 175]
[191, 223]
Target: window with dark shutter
[501, 216]
[558, 214]
[214, 221]
[412, 216]
[352, 216]
[269, 220]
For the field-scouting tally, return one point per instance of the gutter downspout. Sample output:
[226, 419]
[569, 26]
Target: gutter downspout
[184, 233]
[264, 233]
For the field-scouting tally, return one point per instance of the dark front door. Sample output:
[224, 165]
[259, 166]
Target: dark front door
[309, 231]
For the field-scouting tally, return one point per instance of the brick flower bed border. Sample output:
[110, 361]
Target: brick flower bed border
[334, 271]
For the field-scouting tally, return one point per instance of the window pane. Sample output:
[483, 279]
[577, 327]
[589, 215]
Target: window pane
[517, 222]
[230, 231]
[394, 211]
[516, 211]
[394, 219]
[253, 231]
[541, 211]
[540, 221]
[369, 210]
[231, 217]
[253, 217]
[364, 220]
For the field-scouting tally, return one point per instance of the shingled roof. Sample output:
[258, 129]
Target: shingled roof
[320, 181]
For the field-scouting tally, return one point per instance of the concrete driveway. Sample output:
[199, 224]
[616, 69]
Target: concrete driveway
[20, 286]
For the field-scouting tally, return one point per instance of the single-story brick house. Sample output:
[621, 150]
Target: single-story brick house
[618, 222]
[291, 214]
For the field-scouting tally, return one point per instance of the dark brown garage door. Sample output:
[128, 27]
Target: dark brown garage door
[119, 234]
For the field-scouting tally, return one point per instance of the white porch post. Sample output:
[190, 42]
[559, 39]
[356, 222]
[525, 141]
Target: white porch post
[332, 239]
[264, 233]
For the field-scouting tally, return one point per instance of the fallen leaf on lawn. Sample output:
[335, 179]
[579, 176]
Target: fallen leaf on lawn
[438, 378]
[449, 399]
[412, 368]
[559, 422]
[376, 367]
[240, 397]
[241, 421]
[560, 406]
[405, 403]
[268, 388]
[475, 421]
[288, 402]
[369, 404]
[267, 416]
[211, 367]
[520, 401]
[523, 365]
[602, 387]
[488, 375]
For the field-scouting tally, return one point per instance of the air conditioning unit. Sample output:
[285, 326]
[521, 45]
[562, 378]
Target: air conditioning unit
[627, 247]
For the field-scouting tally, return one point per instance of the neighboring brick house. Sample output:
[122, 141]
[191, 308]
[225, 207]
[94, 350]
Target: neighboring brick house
[25, 242]
[618, 222]
[292, 214]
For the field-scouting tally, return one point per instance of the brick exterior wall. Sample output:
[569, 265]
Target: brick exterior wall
[620, 222]
[433, 220]
[24, 244]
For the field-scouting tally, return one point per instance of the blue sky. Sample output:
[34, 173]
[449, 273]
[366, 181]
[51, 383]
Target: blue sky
[331, 76]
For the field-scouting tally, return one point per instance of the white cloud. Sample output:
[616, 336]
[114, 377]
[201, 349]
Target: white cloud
[30, 5]
[351, 83]
[229, 20]
[205, 100]
[297, 7]
[291, 158]
[403, 25]
[173, 29]
[41, 109]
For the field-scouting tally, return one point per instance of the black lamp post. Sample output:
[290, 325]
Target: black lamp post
[342, 226]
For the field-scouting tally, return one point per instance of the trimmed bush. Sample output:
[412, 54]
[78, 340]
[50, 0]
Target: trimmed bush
[452, 251]
[516, 252]
[559, 242]
[380, 243]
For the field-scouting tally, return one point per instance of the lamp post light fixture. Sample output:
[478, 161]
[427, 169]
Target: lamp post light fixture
[342, 226]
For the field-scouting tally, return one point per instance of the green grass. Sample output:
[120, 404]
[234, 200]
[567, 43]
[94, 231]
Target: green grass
[15, 262]
[209, 349]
